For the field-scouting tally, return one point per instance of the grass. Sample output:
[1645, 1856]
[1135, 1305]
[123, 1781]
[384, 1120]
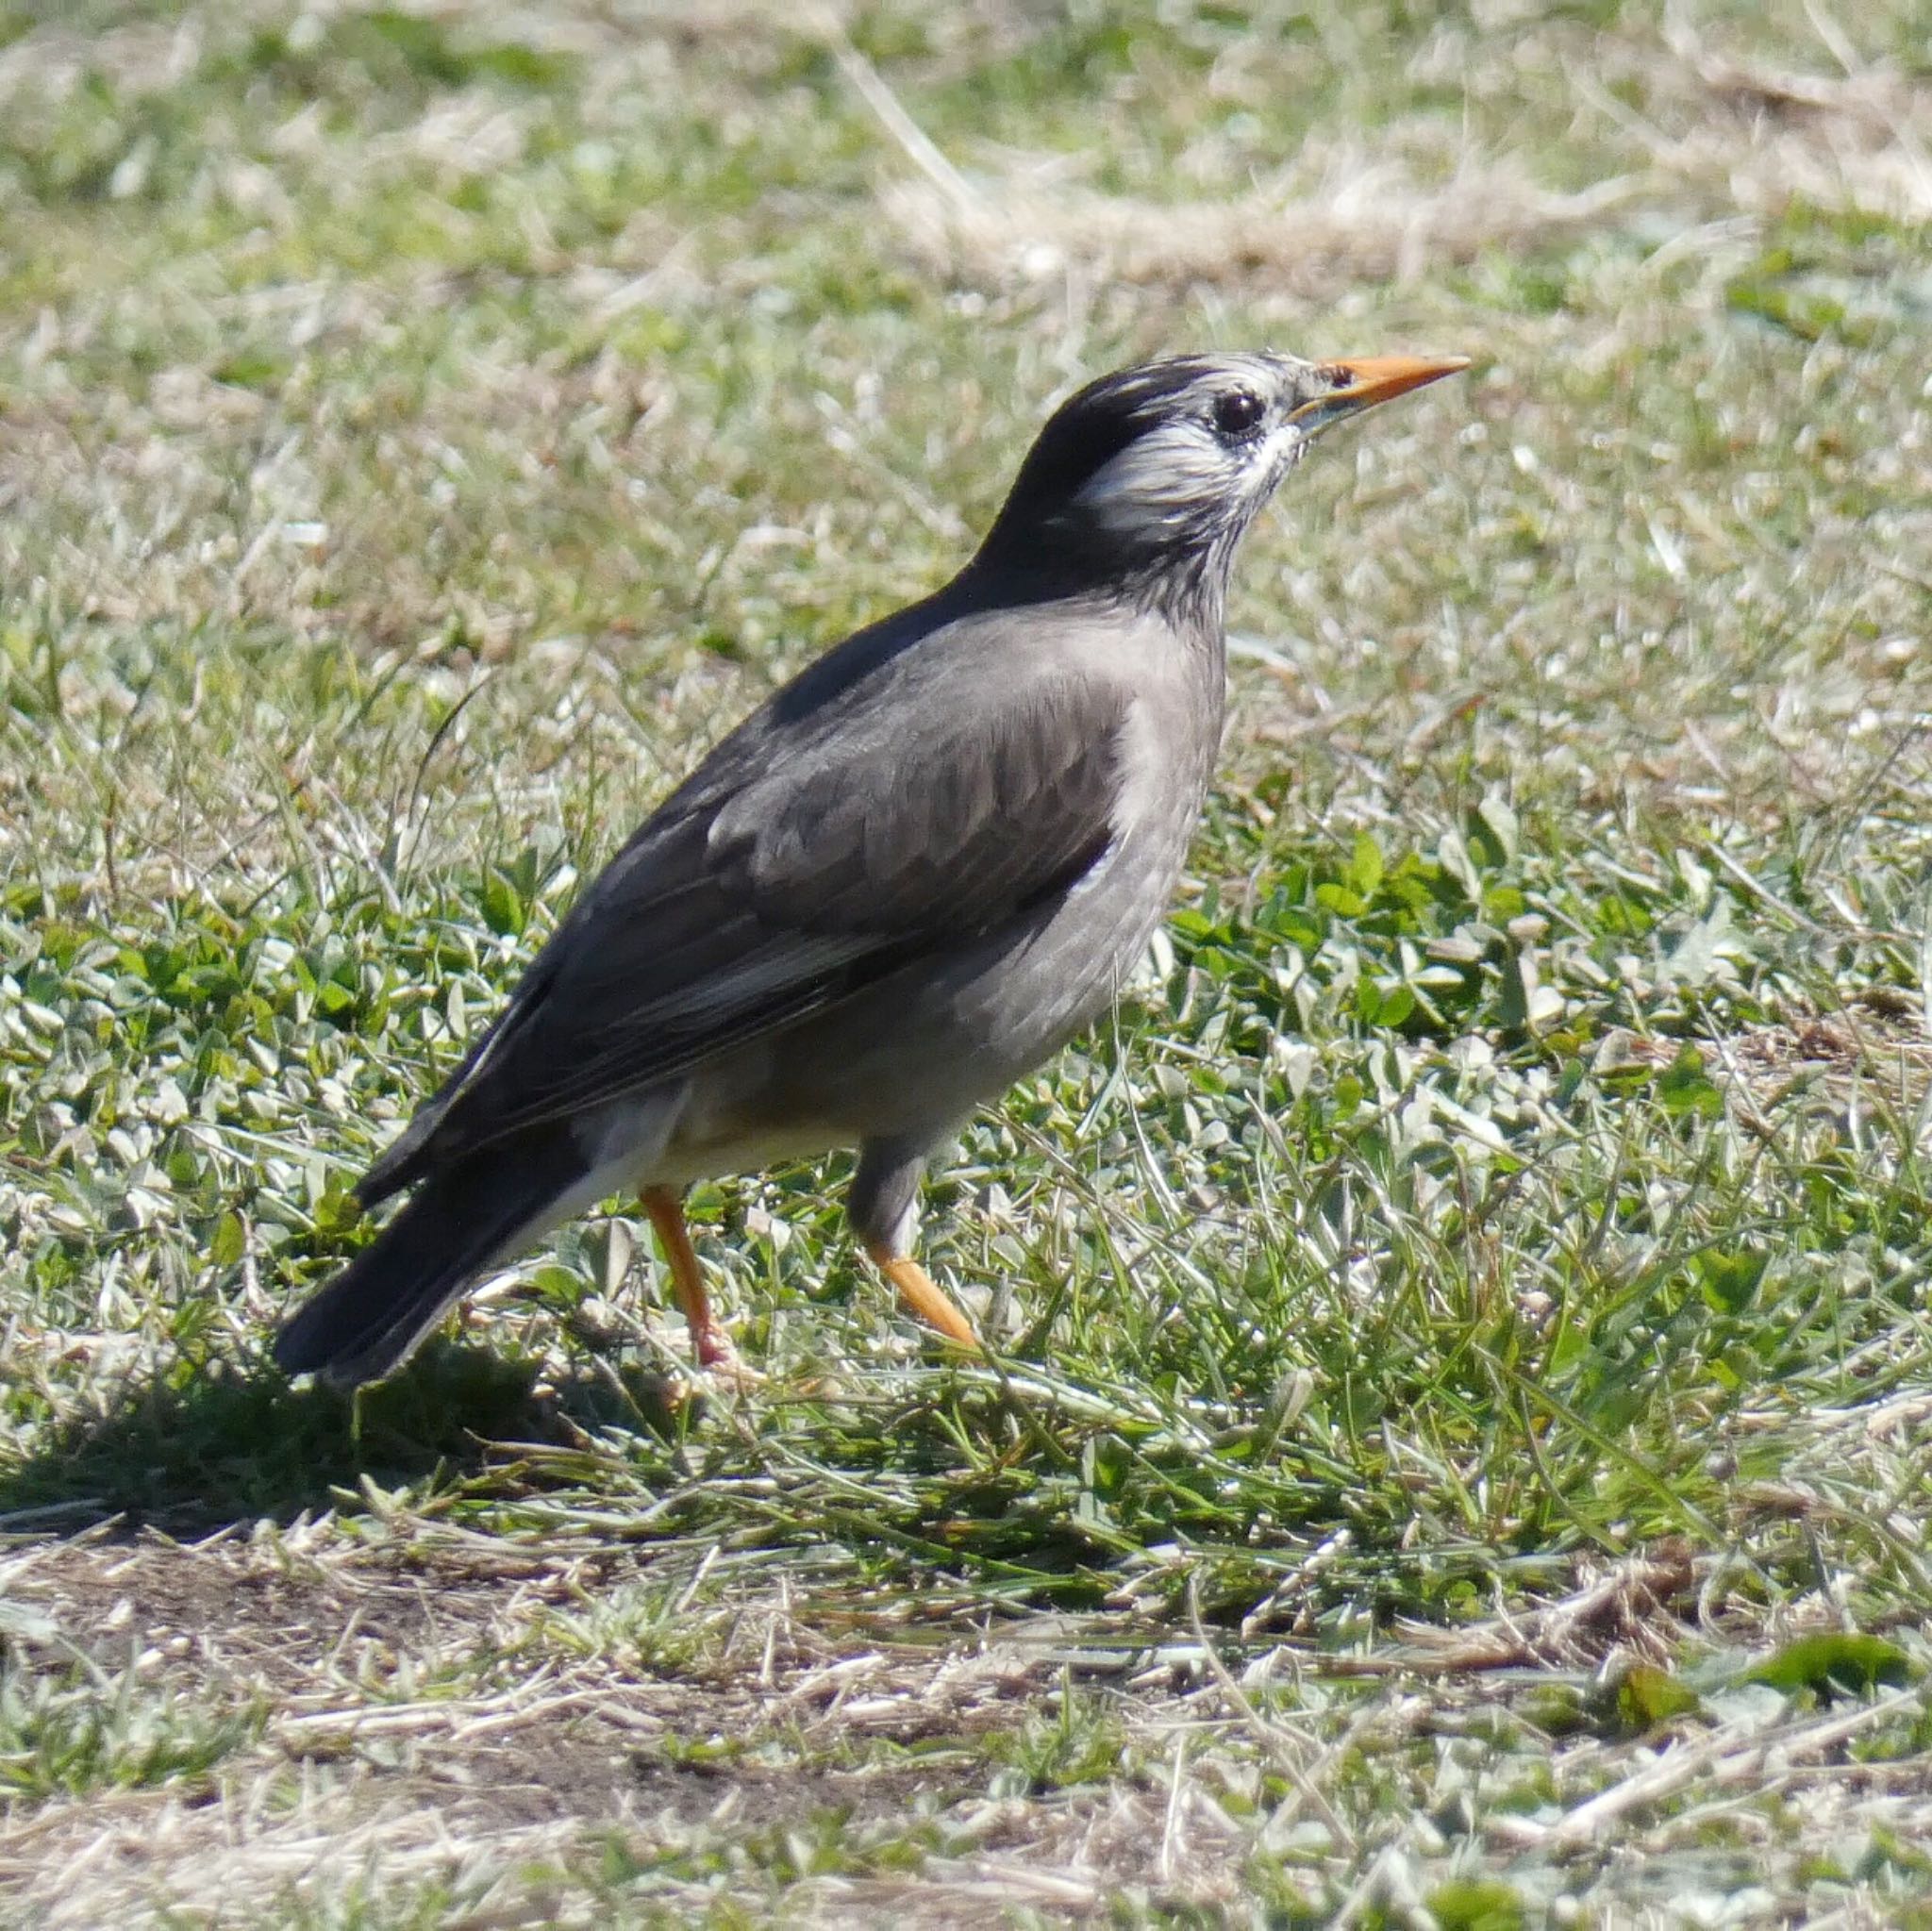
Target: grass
[1456, 1455]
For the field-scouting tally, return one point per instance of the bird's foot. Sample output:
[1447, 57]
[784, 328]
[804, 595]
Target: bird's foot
[720, 1360]
[927, 1298]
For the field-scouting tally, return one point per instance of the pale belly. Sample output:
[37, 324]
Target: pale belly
[911, 1056]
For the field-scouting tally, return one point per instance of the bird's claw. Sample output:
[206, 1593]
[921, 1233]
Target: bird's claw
[719, 1361]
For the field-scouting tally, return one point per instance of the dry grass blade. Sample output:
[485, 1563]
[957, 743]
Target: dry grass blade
[1723, 1759]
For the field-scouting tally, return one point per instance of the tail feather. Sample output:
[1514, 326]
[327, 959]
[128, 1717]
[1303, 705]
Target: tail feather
[370, 1318]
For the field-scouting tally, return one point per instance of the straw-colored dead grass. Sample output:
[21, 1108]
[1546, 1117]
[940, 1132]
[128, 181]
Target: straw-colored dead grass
[1418, 201]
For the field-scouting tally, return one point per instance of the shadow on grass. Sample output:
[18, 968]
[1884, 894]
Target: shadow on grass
[223, 1447]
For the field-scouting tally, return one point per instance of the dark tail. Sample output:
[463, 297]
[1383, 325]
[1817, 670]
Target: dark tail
[366, 1322]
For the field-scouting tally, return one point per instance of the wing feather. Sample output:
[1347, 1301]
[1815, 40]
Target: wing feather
[798, 865]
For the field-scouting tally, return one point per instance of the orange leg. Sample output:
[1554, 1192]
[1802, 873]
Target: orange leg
[709, 1342]
[924, 1295]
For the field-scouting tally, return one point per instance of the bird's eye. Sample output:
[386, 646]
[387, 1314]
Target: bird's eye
[1238, 413]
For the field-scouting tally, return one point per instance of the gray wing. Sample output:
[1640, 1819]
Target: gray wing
[798, 865]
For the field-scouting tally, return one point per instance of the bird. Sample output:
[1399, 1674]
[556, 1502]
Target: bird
[902, 883]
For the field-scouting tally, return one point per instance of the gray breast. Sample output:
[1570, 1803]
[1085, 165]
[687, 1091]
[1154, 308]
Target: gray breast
[920, 1049]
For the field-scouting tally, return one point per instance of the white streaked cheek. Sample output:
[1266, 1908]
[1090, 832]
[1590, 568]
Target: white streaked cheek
[1166, 478]
[1284, 448]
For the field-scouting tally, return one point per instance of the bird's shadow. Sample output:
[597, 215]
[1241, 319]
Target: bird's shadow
[214, 1448]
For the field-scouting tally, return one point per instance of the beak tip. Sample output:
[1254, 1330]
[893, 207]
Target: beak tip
[1360, 381]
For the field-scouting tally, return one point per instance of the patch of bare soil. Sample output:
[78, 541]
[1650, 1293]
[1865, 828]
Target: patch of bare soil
[459, 1714]
[511, 1732]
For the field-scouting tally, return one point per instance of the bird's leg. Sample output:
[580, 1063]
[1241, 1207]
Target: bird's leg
[883, 1208]
[709, 1342]
[924, 1294]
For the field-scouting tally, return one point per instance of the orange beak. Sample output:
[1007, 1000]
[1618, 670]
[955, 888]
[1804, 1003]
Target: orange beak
[1363, 382]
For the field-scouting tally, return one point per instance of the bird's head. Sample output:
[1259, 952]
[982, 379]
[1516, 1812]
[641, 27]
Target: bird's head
[1145, 479]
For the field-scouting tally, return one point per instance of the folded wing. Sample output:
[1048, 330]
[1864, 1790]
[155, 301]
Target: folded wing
[784, 878]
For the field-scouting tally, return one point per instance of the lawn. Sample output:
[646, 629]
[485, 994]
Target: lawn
[1456, 1452]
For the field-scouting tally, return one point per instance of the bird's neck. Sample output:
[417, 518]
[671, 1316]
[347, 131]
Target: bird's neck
[1186, 586]
[1190, 592]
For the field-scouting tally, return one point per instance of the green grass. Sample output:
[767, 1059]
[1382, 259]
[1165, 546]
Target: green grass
[1456, 1453]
